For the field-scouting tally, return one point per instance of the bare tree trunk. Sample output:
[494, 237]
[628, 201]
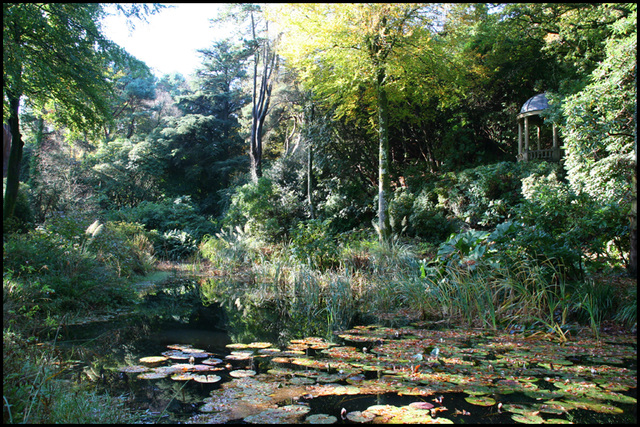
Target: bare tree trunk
[15, 157]
[261, 98]
[384, 183]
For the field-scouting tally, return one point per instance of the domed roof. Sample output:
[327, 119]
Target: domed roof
[538, 102]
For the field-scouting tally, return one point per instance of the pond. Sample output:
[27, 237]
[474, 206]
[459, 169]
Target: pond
[198, 365]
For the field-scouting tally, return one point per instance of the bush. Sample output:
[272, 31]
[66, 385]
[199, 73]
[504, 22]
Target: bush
[486, 195]
[175, 225]
[264, 209]
[23, 216]
[313, 242]
[67, 265]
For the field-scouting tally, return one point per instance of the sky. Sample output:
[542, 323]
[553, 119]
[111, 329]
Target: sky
[168, 42]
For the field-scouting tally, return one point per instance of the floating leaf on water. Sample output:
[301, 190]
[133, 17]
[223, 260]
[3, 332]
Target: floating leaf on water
[153, 359]
[517, 408]
[421, 405]
[321, 419]
[557, 421]
[236, 345]
[133, 369]
[301, 381]
[185, 376]
[155, 375]
[527, 418]
[242, 373]
[206, 378]
[259, 345]
[211, 361]
[176, 354]
[269, 351]
[481, 400]
[595, 406]
[281, 360]
[239, 355]
[360, 416]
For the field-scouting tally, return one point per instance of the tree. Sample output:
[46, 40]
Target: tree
[600, 121]
[251, 24]
[54, 56]
[341, 48]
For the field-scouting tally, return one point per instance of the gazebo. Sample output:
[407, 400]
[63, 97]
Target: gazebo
[547, 147]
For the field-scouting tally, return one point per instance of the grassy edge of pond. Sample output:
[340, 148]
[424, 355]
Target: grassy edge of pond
[369, 283]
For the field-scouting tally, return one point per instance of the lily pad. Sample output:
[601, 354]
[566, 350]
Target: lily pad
[153, 359]
[208, 379]
[185, 376]
[154, 375]
[242, 373]
[360, 416]
[481, 400]
[321, 419]
[133, 369]
[527, 418]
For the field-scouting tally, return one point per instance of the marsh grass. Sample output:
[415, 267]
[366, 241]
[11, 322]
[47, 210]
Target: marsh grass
[35, 390]
[372, 279]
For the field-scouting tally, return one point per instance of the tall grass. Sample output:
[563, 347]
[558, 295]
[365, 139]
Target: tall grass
[34, 390]
[373, 279]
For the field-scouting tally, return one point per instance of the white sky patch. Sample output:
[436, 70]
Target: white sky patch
[168, 43]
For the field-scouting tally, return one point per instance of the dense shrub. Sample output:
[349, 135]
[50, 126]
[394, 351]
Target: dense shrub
[570, 226]
[73, 264]
[264, 209]
[176, 226]
[486, 195]
[419, 215]
[23, 214]
[313, 242]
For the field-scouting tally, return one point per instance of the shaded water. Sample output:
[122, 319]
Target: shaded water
[366, 366]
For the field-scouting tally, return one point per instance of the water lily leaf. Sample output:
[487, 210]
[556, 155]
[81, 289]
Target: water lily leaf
[239, 355]
[360, 416]
[595, 406]
[321, 419]
[177, 355]
[421, 405]
[517, 408]
[154, 375]
[242, 373]
[527, 418]
[153, 359]
[236, 346]
[133, 369]
[301, 381]
[481, 400]
[184, 376]
[259, 345]
[211, 361]
[206, 378]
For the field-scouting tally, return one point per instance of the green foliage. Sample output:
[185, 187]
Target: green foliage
[70, 265]
[313, 242]
[264, 209]
[23, 214]
[419, 215]
[176, 225]
[486, 195]
[33, 394]
[560, 228]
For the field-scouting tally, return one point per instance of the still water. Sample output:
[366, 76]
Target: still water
[211, 367]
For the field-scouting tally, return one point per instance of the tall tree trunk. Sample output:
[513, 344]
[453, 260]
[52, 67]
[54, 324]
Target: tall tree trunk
[384, 182]
[261, 99]
[633, 215]
[15, 157]
[310, 179]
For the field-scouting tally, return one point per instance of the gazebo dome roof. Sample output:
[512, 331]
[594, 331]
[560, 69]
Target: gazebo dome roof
[536, 103]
